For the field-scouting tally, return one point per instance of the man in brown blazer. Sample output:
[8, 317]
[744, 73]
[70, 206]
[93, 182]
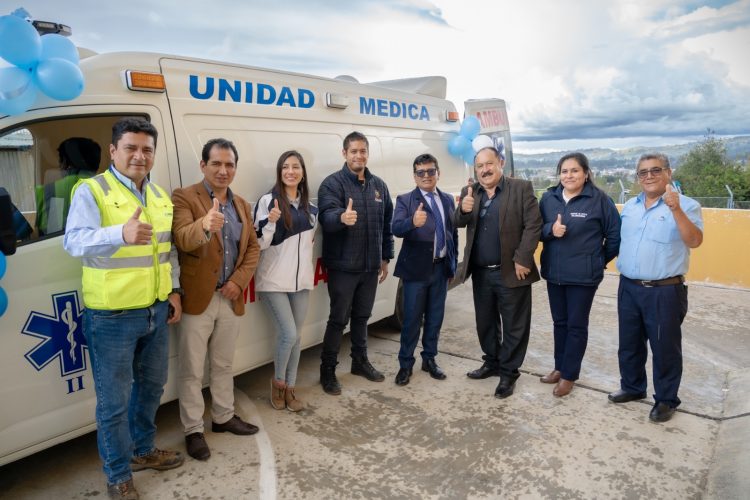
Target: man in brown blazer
[503, 225]
[218, 251]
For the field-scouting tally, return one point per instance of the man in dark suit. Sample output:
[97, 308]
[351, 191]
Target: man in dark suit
[503, 225]
[425, 264]
[218, 249]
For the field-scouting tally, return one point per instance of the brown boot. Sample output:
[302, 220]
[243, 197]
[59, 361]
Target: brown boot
[277, 394]
[292, 403]
[552, 378]
[563, 388]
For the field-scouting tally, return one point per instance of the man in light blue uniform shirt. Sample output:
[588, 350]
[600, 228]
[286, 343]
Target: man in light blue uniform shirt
[659, 227]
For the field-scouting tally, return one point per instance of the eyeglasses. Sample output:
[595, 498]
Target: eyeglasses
[430, 172]
[485, 206]
[655, 172]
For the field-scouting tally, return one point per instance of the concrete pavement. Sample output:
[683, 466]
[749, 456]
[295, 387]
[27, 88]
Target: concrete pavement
[452, 438]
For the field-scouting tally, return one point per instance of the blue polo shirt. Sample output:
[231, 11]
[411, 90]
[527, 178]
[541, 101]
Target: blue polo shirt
[650, 243]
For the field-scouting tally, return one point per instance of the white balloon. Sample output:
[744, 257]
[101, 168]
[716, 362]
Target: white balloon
[482, 141]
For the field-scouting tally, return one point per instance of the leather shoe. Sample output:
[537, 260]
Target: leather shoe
[429, 365]
[661, 412]
[563, 388]
[328, 379]
[624, 397]
[196, 446]
[361, 366]
[504, 388]
[235, 425]
[403, 375]
[552, 378]
[484, 371]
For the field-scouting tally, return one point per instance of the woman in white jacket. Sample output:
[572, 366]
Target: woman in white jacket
[285, 222]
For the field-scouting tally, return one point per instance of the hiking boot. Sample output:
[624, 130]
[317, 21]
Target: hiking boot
[328, 379]
[157, 460]
[362, 366]
[123, 491]
[292, 403]
[277, 394]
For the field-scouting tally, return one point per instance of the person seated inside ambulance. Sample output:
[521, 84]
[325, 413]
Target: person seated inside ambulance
[79, 159]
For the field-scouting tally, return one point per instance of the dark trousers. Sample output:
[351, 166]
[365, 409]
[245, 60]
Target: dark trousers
[570, 306]
[423, 299]
[352, 297]
[652, 314]
[503, 318]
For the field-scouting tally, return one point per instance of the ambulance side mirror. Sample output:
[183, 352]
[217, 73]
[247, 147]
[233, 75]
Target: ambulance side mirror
[7, 231]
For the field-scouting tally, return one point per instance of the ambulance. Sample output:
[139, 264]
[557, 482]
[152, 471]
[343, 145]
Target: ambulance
[47, 393]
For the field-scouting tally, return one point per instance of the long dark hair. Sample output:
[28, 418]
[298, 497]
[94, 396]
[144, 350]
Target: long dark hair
[302, 189]
[579, 158]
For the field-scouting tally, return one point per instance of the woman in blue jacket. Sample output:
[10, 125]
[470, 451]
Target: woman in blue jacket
[285, 221]
[581, 234]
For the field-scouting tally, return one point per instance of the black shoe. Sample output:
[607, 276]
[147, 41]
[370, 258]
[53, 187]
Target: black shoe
[235, 425]
[484, 371]
[504, 388]
[196, 446]
[624, 397]
[362, 366]
[403, 375]
[328, 379]
[661, 412]
[429, 365]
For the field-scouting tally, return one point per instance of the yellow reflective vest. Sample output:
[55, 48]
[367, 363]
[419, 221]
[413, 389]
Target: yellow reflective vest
[134, 276]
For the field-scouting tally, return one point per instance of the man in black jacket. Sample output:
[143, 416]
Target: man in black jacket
[355, 213]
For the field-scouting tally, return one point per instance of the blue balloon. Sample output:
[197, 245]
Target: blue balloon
[470, 127]
[19, 42]
[17, 91]
[54, 45]
[3, 301]
[468, 156]
[59, 79]
[457, 145]
[3, 265]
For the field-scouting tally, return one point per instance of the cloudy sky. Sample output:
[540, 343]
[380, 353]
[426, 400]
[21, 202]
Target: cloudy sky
[574, 73]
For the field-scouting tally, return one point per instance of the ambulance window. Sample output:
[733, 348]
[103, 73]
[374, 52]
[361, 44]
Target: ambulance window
[40, 162]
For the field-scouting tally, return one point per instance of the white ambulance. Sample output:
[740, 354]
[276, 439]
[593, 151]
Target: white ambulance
[47, 394]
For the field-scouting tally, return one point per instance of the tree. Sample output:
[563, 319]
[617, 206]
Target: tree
[706, 169]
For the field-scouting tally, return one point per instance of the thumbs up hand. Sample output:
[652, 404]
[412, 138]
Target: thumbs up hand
[467, 203]
[135, 232]
[671, 198]
[558, 228]
[349, 217]
[420, 216]
[213, 221]
[275, 214]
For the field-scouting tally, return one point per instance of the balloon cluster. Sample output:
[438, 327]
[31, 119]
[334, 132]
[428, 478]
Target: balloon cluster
[468, 141]
[46, 63]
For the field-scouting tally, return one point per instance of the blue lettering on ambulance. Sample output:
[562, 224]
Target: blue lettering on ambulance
[263, 93]
[392, 109]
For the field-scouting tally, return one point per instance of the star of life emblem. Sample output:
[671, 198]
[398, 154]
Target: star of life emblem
[61, 335]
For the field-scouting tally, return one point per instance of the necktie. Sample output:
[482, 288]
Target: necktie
[439, 230]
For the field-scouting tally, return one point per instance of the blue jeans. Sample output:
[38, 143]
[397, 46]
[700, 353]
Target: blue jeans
[423, 299]
[287, 311]
[129, 353]
[570, 306]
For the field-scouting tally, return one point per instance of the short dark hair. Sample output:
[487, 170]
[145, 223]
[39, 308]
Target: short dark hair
[355, 136]
[653, 156]
[135, 125]
[498, 154]
[79, 153]
[221, 144]
[424, 159]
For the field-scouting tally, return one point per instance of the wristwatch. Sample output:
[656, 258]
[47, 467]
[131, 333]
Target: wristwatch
[179, 291]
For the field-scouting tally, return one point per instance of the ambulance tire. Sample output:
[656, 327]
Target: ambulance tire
[396, 321]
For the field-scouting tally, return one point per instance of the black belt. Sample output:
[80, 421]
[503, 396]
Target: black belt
[674, 280]
[437, 261]
[494, 266]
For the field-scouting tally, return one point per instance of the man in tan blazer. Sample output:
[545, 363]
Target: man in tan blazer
[218, 251]
[503, 226]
